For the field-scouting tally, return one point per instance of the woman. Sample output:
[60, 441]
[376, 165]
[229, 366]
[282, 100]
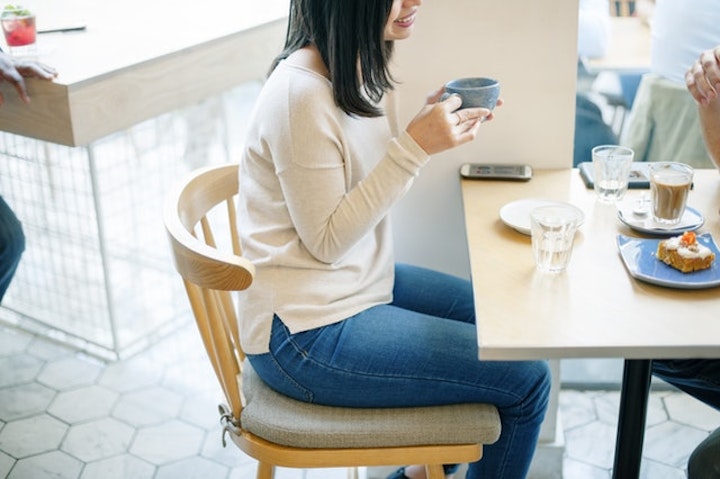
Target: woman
[331, 319]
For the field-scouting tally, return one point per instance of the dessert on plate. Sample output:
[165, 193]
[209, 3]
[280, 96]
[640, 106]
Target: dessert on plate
[684, 253]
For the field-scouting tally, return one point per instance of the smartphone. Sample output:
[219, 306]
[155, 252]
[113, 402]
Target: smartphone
[493, 171]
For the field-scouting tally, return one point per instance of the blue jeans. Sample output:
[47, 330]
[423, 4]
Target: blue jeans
[701, 379]
[419, 350]
[12, 244]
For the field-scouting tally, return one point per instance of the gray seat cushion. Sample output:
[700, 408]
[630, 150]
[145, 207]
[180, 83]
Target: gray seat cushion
[283, 420]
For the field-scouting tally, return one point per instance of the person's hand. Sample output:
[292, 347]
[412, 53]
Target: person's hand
[703, 77]
[14, 71]
[440, 125]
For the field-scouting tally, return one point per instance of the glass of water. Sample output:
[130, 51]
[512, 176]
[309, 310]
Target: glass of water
[553, 235]
[611, 171]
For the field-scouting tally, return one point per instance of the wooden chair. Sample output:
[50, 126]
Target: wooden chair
[270, 427]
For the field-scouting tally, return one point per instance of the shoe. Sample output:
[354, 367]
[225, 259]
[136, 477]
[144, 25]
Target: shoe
[399, 474]
[450, 468]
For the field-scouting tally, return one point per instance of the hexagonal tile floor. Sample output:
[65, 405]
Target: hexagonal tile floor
[66, 415]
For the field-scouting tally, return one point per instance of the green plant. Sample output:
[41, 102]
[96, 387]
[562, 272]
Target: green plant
[15, 11]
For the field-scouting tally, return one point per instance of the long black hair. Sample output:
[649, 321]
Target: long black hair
[348, 34]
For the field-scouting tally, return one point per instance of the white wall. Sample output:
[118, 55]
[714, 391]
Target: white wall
[530, 46]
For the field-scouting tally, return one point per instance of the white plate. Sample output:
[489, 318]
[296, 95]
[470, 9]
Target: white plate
[692, 219]
[516, 214]
[641, 262]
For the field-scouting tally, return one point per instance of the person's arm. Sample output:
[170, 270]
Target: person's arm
[317, 160]
[710, 122]
[703, 83]
[14, 71]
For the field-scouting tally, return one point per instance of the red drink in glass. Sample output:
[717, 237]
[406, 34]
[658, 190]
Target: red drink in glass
[19, 28]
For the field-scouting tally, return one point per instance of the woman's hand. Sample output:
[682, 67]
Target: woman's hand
[703, 77]
[440, 125]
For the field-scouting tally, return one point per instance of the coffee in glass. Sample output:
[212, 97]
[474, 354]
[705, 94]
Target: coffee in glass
[670, 184]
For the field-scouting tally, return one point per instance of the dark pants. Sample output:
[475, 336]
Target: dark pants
[704, 462]
[701, 379]
[590, 129]
[12, 244]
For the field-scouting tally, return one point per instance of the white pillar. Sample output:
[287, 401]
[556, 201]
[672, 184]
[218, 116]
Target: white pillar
[531, 47]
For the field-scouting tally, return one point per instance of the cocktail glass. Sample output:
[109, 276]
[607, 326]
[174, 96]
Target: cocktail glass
[18, 25]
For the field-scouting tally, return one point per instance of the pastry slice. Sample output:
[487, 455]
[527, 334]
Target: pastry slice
[684, 253]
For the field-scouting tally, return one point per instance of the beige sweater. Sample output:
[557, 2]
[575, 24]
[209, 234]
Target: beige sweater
[316, 187]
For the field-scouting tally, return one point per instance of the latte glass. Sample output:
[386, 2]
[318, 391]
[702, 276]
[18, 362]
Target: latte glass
[670, 184]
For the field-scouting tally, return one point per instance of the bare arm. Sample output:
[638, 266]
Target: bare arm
[710, 122]
[703, 83]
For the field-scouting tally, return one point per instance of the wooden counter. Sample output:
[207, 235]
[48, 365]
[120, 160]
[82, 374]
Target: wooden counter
[594, 308]
[136, 60]
[148, 92]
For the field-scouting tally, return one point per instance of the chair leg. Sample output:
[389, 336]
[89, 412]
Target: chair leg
[434, 471]
[265, 471]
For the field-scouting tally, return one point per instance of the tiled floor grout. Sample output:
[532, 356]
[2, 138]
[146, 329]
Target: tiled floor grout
[64, 414]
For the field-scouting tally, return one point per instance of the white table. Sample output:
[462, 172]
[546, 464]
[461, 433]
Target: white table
[139, 101]
[593, 310]
[139, 59]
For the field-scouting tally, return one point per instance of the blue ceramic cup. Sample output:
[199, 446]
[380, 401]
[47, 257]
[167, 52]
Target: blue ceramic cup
[476, 92]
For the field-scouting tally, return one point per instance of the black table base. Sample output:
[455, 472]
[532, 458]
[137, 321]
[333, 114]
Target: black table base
[637, 374]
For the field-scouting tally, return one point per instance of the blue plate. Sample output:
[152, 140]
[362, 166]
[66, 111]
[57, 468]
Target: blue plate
[641, 262]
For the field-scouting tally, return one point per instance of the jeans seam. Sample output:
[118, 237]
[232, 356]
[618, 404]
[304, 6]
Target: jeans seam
[287, 377]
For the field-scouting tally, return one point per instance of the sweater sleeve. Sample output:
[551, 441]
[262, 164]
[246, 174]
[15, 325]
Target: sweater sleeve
[333, 196]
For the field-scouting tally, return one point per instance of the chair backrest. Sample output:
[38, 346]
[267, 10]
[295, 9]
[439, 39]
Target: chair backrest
[210, 273]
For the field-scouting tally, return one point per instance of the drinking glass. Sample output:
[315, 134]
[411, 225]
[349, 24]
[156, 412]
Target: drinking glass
[18, 25]
[670, 184]
[611, 171]
[553, 234]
